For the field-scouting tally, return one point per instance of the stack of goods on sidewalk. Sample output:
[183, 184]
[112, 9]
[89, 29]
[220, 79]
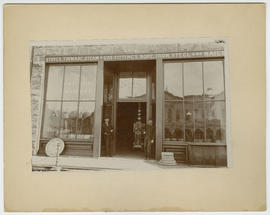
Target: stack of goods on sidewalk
[167, 158]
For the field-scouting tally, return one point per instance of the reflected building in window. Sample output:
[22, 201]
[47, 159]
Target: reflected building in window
[195, 89]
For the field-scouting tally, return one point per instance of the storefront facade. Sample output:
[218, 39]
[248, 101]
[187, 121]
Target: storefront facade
[180, 86]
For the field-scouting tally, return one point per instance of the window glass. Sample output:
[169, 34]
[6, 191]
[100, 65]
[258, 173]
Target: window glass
[68, 121]
[71, 83]
[215, 121]
[71, 115]
[55, 82]
[139, 84]
[198, 115]
[213, 80]
[86, 121]
[125, 85]
[88, 82]
[193, 81]
[189, 126]
[203, 118]
[174, 121]
[173, 88]
[51, 121]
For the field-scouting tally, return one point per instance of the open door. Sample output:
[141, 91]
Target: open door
[127, 81]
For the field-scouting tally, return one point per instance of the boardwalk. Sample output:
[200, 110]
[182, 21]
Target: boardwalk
[96, 164]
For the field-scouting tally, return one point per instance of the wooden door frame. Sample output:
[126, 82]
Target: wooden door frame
[115, 93]
[159, 107]
[98, 110]
[148, 102]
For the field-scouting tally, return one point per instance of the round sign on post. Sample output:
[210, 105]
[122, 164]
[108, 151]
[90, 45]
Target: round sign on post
[54, 147]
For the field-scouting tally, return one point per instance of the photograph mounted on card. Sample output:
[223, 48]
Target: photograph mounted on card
[134, 107]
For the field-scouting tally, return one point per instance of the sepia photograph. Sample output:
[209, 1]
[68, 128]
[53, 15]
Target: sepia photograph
[129, 104]
[135, 107]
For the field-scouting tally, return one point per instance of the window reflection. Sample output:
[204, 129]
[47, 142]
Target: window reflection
[215, 121]
[125, 85]
[132, 84]
[204, 106]
[71, 83]
[88, 82]
[139, 84]
[193, 81]
[51, 120]
[213, 80]
[71, 119]
[199, 121]
[189, 121]
[86, 121]
[68, 121]
[55, 82]
[174, 121]
[173, 81]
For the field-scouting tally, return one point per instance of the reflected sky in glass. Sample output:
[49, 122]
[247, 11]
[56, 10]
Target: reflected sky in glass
[139, 84]
[193, 80]
[71, 83]
[88, 82]
[129, 79]
[125, 85]
[213, 79]
[173, 80]
[55, 82]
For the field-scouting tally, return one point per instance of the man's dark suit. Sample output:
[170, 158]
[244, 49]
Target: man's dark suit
[149, 138]
[107, 131]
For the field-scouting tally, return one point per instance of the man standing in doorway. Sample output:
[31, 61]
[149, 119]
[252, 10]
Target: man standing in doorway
[149, 139]
[107, 131]
[137, 129]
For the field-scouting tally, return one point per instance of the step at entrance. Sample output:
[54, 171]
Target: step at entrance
[180, 152]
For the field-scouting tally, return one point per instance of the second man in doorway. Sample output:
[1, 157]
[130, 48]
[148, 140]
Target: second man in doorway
[149, 139]
[108, 131]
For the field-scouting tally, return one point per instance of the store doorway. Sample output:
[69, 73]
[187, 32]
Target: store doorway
[128, 85]
[129, 113]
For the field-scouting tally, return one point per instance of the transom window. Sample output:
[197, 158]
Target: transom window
[70, 102]
[132, 85]
[194, 101]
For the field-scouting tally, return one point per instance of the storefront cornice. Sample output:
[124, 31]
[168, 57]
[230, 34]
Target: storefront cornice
[144, 56]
